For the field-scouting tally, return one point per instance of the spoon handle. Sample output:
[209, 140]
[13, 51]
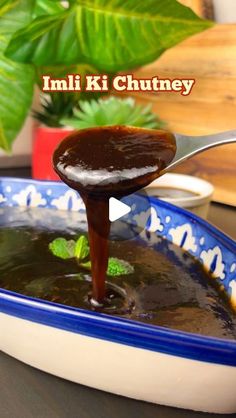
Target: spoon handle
[188, 146]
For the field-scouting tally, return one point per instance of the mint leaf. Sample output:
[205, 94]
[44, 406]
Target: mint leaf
[62, 248]
[117, 267]
[66, 249]
[81, 250]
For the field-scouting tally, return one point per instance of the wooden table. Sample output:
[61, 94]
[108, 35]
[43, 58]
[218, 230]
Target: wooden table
[26, 392]
[209, 58]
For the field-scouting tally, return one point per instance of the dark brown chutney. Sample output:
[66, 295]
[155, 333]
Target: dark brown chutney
[110, 161]
[167, 287]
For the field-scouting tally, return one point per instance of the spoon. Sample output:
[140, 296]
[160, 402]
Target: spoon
[188, 146]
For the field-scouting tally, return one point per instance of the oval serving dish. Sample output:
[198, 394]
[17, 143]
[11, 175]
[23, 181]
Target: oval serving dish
[129, 358]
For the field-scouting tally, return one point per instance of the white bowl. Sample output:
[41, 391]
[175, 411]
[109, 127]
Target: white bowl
[198, 204]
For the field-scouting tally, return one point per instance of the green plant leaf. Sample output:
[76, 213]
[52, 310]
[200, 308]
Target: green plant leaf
[108, 34]
[62, 248]
[81, 248]
[47, 7]
[54, 107]
[67, 249]
[112, 111]
[117, 267]
[16, 80]
[58, 105]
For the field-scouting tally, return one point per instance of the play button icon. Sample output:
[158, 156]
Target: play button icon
[117, 209]
[128, 215]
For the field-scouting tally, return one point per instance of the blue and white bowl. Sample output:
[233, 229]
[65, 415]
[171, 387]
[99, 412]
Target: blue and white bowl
[125, 357]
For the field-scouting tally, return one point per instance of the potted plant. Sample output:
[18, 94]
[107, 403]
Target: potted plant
[58, 123]
[39, 37]
[49, 133]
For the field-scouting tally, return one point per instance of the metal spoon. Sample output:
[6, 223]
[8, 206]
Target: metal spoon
[188, 146]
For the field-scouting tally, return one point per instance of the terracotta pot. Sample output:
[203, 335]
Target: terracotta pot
[45, 141]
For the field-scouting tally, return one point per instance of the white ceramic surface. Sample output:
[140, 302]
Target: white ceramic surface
[198, 204]
[120, 369]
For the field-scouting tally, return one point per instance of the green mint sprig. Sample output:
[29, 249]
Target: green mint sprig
[62, 248]
[67, 249]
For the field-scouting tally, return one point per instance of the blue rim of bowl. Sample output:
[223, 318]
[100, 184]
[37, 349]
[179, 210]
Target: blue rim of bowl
[120, 330]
